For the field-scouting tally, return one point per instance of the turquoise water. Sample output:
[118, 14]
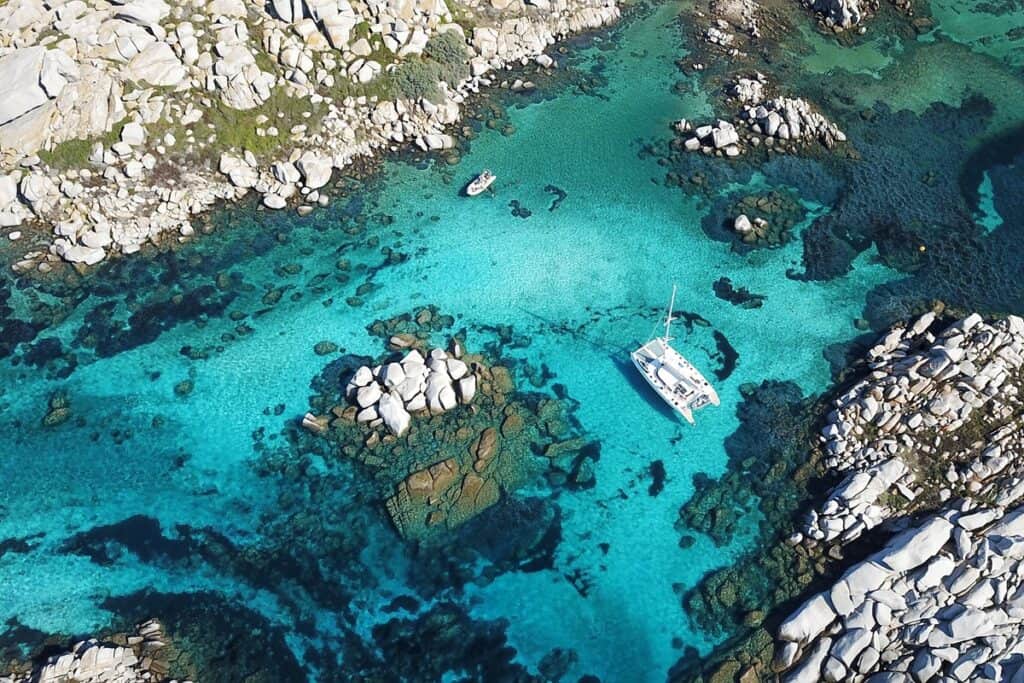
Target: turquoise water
[991, 27]
[869, 57]
[583, 282]
[988, 216]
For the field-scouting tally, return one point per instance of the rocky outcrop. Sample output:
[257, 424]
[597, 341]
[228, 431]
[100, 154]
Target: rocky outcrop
[927, 442]
[388, 394]
[727, 19]
[137, 659]
[943, 600]
[779, 122]
[787, 118]
[308, 70]
[34, 78]
[897, 430]
[839, 13]
[441, 436]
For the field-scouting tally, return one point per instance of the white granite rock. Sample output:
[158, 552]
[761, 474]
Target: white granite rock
[944, 599]
[393, 412]
[156, 65]
[808, 621]
[393, 375]
[19, 72]
[316, 169]
[844, 13]
[467, 388]
[368, 395]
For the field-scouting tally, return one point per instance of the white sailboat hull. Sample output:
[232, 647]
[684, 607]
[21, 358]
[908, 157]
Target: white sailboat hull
[674, 378]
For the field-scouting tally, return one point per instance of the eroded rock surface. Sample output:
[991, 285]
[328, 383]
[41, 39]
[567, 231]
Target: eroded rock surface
[123, 121]
[137, 659]
[929, 441]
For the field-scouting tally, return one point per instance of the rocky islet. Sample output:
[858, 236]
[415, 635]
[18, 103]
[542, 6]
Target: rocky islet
[446, 434]
[134, 657]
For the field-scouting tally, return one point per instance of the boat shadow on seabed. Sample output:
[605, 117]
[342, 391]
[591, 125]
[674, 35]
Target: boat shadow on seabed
[619, 356]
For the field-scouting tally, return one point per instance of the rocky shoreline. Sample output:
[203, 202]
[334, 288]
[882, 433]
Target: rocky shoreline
[138, 656]
[911, 555]
[784, 123]
[935, 429]
[132, 119]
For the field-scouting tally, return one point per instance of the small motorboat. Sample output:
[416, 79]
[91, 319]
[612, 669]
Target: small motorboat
[480, 183]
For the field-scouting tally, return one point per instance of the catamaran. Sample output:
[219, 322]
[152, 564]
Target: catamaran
[674, 378]
[480, 183]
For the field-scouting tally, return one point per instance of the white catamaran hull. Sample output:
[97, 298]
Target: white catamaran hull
[674, 378]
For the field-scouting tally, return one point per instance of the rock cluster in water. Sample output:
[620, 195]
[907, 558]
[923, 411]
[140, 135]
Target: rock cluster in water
[125, 120]
[839, 14]
[776, 122]
[767, 219]
[737, 296]
[446, 435]
[389, 393]
[139, 659]
[935, 427]
[728, 16]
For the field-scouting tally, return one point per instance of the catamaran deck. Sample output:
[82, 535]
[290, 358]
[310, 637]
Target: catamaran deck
[675, 379]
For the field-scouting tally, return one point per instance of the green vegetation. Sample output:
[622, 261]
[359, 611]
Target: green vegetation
[237, 129]
[448, 51]
[444, 58]
[463, 16]
[68, 154]
[360, 30]
[75, 153]
[264, 61]
[413, 79]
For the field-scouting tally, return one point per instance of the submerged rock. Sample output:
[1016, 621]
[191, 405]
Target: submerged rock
[738, 296]
[446, 433]
[59, 410]
[325, 348]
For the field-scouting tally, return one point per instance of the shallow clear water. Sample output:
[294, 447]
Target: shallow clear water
[868, 57]
[601, 265]
[992, 28]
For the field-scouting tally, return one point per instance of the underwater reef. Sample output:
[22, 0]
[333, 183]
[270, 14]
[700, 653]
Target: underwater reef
[450, 453]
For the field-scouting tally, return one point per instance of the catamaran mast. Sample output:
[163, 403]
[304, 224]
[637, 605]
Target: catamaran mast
[668, 318]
